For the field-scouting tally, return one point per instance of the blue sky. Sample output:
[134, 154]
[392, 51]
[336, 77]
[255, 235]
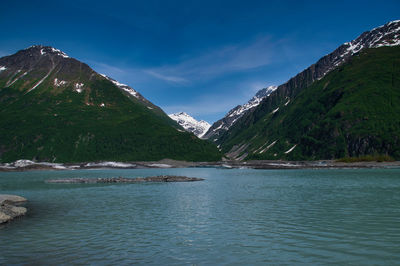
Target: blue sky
[201, 57]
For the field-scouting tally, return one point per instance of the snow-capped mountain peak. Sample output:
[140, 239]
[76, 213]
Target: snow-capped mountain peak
[233, 115]
[253, 102]
[190, 124]
[45, 50]
[385, 35]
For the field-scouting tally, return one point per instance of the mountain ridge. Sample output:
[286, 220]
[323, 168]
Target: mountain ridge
[223, 124]
[55, 108]
[386, 35]
[35, 51]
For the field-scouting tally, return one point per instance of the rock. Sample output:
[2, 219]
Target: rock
[163, 178]
[8, 210]
[12, 198]
[4, 217]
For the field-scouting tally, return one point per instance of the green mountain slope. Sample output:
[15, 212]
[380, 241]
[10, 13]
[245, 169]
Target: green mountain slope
[354, 110]
[55, 108]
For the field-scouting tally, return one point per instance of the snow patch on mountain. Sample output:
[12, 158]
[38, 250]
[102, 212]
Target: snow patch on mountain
[291, 149]
[59, 83]
[253, 102]
[119, 84]
[122, 86]
[40, 81]
[376, 38]
[11, 82]
[47, 50]
[199, 128]
[2, 68]
[130, 91]
[79, 87]
[59, 52]
[385, 35]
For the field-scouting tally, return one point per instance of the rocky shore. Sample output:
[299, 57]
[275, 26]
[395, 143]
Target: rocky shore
[321, 164]
[163, 178]
[26, 165]
[9, 207]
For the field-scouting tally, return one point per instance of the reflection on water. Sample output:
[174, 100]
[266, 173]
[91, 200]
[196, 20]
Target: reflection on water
[235, 216]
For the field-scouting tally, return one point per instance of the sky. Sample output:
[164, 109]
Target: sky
[201, 57]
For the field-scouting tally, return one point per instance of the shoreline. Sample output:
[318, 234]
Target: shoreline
[26, 165]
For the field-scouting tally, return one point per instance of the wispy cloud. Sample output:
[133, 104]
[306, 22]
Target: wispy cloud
[209, 103]
[107, 69]
[135, 74]
[230, 58]
[166, 77]
[127, 75]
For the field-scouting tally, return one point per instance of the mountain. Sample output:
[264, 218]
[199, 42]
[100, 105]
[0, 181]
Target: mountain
[190, 124]
[222, 125]
[346, 104]
[55, 108]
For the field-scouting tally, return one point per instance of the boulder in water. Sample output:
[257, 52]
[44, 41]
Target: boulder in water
[9, 208]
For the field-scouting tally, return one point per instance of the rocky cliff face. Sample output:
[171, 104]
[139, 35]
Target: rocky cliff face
[238, 141]
[386, 35]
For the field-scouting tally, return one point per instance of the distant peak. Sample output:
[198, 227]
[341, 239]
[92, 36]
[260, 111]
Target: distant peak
[180, 114]
[190, 124]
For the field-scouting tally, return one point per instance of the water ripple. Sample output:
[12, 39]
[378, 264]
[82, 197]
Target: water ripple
[233, 217]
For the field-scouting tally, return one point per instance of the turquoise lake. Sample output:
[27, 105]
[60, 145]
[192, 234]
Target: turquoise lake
[234, 216]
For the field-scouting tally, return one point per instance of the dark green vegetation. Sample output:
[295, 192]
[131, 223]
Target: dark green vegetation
[353, 111]
[60, 124]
